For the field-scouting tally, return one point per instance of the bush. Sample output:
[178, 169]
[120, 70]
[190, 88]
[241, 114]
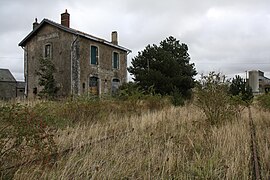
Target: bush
[264, 101]
[212, 97]
[22, 133]
[177, 98]
[129, 91]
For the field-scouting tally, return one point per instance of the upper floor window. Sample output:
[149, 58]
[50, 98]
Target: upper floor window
[94, 55]
[115, 60]
[47, 51]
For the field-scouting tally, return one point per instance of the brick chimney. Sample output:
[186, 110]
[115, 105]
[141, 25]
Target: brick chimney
[35, 24]
[65, 19]
[114, 38]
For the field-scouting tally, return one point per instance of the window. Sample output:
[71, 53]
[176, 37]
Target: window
[115, 60]
[83, 86]
[47, 53]
[94, 55]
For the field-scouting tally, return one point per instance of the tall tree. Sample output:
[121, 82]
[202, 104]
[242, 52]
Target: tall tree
[46, 79]
[240, 88]
[166, 67]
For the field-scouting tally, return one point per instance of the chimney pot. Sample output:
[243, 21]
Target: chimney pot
[35, 24]
[65, 18]
[114, 38]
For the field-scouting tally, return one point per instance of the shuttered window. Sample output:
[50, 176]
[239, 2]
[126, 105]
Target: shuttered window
[94, 55]
[115, 60]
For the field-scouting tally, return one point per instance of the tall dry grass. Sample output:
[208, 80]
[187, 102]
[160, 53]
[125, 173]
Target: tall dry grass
[173, 143]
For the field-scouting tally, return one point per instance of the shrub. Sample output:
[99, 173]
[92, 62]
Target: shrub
[129, 91]
[22, 133]
[264, 101]
[212, 97]
[177, 98]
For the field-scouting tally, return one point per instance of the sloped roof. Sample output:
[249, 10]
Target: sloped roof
[6, 76]
[72, 31]
[20, 84]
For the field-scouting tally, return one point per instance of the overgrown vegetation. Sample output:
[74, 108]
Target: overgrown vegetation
[263, 101]
[220, 100]
[172, 143]
[240, 88]
[23, 134]
[46, 79]
[134, 135]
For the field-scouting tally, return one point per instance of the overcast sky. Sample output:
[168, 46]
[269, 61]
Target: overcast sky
[229, 36]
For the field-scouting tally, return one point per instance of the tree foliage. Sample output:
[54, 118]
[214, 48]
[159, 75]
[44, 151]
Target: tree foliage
[46, 79]
[239, 88]
[166, 67]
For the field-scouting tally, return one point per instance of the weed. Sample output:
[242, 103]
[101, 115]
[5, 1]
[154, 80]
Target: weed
[22, 133]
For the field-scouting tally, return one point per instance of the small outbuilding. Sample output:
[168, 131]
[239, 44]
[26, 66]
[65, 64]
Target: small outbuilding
[9, 87]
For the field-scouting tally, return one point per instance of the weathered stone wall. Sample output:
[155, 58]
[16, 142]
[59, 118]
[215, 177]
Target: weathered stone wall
[7, 90]
[71, 57]
[60, 42]
[104, 70]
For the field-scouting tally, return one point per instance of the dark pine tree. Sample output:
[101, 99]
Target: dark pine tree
[240, 88]
[166, 67]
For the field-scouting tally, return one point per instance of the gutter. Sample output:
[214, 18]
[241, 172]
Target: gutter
[71, 58]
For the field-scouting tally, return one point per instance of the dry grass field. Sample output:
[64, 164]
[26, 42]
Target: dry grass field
[169, 143]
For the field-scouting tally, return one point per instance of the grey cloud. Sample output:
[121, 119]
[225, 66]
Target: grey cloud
[224, 35]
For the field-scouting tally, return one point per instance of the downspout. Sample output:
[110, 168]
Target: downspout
[25, 69]
[71, 63]
[126, 80]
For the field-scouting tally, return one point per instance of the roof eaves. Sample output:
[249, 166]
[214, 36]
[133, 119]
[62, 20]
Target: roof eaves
[72, 31]
[22, 43]
[103, 41]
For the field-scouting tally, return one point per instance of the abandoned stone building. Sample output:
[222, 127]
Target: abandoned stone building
[84, 63]
[9, 87]
[258, 82]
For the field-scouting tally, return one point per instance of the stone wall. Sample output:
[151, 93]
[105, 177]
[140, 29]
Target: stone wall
[71, 57]
[7, 90]
[104, 70]
[60, 42]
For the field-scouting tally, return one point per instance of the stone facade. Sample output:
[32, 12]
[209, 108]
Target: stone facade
[73, 53]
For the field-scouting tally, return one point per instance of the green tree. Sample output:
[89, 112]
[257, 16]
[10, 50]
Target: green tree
[46, 79]
[239, 88]
[165, 67]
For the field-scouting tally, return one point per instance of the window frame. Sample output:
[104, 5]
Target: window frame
[118, 60]
[97, 55]
[49, 56]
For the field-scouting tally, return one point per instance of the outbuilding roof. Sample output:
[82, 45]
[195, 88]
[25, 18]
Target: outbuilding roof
[6, 76]
[72, 31]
